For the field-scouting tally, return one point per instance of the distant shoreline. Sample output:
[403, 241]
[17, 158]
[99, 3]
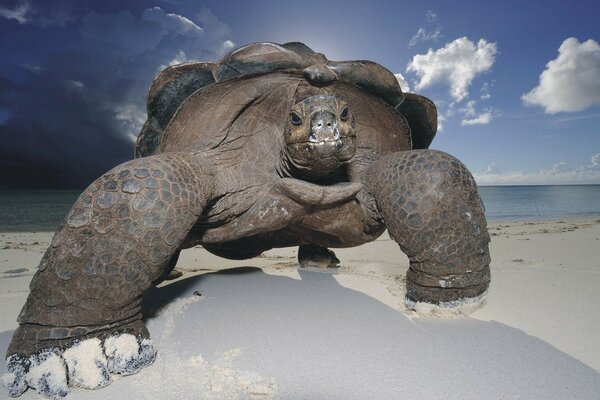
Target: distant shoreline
[38, 210]
[571, 219]
[541, 184]
[554, 218]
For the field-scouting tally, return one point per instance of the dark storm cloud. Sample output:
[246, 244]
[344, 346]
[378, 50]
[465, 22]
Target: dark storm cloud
[77, 115]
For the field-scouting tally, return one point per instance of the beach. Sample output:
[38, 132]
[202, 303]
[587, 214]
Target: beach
[264, 328]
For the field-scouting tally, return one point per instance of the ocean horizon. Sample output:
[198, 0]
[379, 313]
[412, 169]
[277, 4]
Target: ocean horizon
[540, 202]
[45, 209]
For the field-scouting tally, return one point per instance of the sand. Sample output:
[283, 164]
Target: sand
[265, 329]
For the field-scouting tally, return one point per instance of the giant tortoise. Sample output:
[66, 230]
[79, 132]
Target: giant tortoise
[273, 146]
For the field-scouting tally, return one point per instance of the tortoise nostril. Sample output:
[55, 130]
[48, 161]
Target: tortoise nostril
[329, 124]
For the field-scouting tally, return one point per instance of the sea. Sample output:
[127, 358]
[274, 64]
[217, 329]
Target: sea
[44, 210]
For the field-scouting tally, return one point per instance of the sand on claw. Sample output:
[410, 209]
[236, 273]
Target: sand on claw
[48, 374]
[87, 364]
[14, 380]
[447, 309]
[126, 355]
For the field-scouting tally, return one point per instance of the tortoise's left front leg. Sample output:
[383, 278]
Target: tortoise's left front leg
[430, 205]
[82, 318]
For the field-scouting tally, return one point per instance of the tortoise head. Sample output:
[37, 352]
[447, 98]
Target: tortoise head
[319, 136]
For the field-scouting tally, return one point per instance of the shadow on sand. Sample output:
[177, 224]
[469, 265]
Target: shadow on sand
[319, 340]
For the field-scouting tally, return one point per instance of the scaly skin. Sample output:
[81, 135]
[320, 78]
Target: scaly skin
[119, 237]
[430, 205]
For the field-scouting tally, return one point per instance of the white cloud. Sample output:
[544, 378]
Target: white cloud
[184, 23]
[423, 35]
[559, 174]
[402, 82]
[131, 117]
[457, 64]
[215, 30]
[571, 82]
[482, 119]
[560, 166]
[469, 109]
[32, 68]
[45, 13]
[19, 13]
[485, 91]
[471, 116]
[171, 22]
[440, 121]
[179, 58]
[73, 84]
[431, 16]
[493, 169]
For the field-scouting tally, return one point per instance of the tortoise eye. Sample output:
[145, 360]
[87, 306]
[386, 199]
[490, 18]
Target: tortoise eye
[344, 114]
[295, 119]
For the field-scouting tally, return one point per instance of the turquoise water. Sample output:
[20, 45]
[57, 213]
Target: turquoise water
[44, 210]
[540, 202]
[34, 210]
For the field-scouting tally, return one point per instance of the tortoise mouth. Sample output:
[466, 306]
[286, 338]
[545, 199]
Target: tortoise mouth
[325, 156]
[336, 140]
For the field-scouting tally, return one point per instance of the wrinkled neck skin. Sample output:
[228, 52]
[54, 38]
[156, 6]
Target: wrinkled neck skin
[320, 174]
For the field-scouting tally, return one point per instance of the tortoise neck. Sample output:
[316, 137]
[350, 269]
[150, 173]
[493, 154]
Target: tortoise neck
[288, 168]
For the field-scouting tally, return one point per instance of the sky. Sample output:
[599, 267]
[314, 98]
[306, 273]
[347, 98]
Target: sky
[517, 84]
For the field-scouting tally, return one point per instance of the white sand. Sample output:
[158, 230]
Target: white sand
[280, 332]
[87, 364]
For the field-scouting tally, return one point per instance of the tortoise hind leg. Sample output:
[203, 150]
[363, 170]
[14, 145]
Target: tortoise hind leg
[314, 256]
[430, 205]
[82, 318]
[169, 272]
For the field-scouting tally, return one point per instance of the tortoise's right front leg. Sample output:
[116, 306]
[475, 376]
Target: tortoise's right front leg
[430, 205]
[82, 318]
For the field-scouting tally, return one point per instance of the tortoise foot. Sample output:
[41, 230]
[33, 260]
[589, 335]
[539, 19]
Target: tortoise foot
[448, 295]
[82, 362]
[174, 274]
[313, 256]
[460, 307]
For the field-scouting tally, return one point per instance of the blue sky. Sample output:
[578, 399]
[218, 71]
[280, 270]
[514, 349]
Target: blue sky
[517, 84]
